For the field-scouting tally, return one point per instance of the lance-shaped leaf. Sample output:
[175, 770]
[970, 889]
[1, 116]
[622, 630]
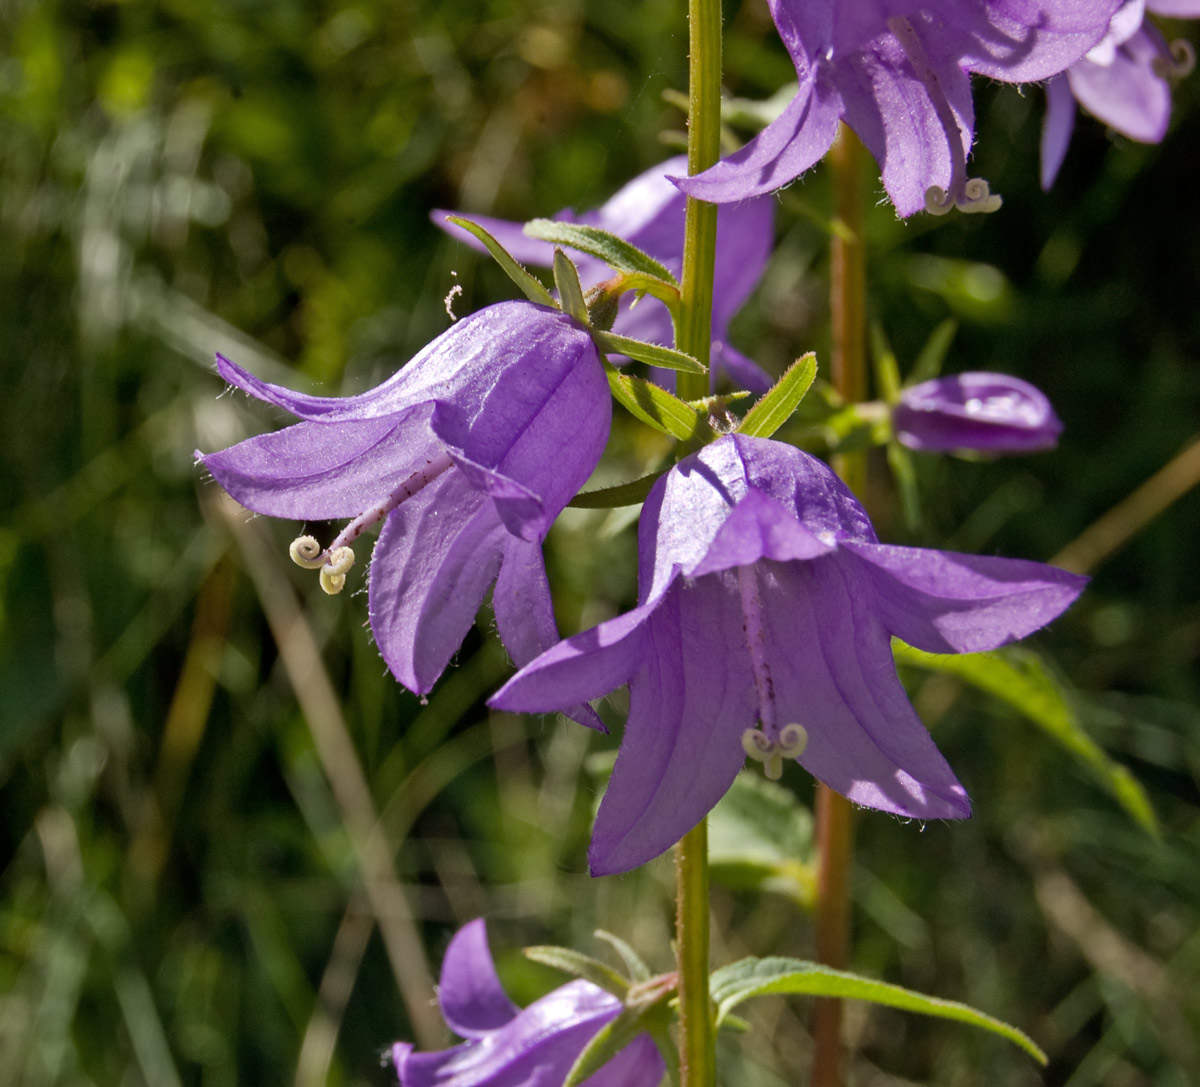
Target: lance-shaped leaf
[651, 353]
[623, 494]
[616, 252]
[579, 965]
[732, 985]
[1018, 678]
[570, 293]
[777, 405]
[655, 407]
[634, 963]
[530, 286]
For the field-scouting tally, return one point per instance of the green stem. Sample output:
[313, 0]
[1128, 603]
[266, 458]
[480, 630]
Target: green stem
[697, 1045]
[835, 839]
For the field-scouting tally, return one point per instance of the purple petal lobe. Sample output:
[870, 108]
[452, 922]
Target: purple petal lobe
[943, 602]
[758, 527]
[1057, 128]
[470, 994]
[1127, 94]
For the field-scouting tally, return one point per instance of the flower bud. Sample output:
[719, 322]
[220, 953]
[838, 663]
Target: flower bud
[985, 412]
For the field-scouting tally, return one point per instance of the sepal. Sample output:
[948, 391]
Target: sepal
[616, 252]
[529, 285]
[776, 406]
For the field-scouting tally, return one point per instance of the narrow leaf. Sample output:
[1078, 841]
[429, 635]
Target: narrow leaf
[570, 293]
[933, 354]
[623, 494]
[530, 286]
[887, 369]
[634, 963]
[614, 251]
[778, 403]
[1018, 678]
[606, 1043]
[655, 407]
[738, 982]
[652, 353]
[580, 965]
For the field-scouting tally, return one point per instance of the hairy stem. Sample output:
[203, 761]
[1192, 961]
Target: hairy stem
[835, 840]
[697, 1046]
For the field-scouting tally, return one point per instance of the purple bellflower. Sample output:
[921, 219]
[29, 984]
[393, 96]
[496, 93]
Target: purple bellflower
[509, 1047]
[1123, 81]
[984, 412]
[898, 73]
[466, 455]
[648, 212]
[766, 608]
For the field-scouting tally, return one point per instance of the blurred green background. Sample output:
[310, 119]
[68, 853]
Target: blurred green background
[196, 745]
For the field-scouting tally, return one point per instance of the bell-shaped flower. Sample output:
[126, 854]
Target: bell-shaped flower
[509, 1047]
[976, 411]
[898, 73]
[466, 455]
[648, 212]
[1124, 81]
[767, 605]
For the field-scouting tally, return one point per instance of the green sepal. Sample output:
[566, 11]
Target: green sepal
[529, 285]
[579, 965]
[635, 965]
[645, 1002]
[1018, 678]
[929, 362]
[777, 403]
[652, 354]
[570, 293]
[656, 407]
[616, 252]
[623, 494]
[738, 982]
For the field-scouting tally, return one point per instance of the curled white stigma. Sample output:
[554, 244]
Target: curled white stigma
[1178, 63]
[976, 198]
[793, 739]
[333, 565]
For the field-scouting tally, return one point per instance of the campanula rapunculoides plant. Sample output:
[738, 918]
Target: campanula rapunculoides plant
[507, 1046]
[766, 610]
[975, 411]
[648, 211]
[1124, 81]
[899, 74]
[466, 455]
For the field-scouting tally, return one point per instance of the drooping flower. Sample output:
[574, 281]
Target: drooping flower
[898, 73]
[466, 455]
[1123, 81]
[648, 212]
[766, 608]
[984, 412]
[509, 1047]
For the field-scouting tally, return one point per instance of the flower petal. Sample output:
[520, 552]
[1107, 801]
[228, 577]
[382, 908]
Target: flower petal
[639, 1064]
[1057, 128]
[797, 139]
[944, 602]
[834, 675]
[472, 999]
[525, 614]
[1127, 95]
[436, 556]
[907, 120]
[690, 701]
[319, 471]
[759, 528]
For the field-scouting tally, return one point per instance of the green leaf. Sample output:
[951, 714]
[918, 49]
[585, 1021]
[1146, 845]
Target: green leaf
[607, 1042]
[738, 982]
[579, 965]
[614, 251]
[933, 354]
[778, 403]
[651, 353]
[530, 286]
[570, 293]
[887, 370]
[656, 407]
[634, 963]
[1018, 678]
[760, 838]
[900, 461]
[623, 494]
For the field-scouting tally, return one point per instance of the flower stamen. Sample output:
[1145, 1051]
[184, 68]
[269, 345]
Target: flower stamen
[335, 561]
[793, 739]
